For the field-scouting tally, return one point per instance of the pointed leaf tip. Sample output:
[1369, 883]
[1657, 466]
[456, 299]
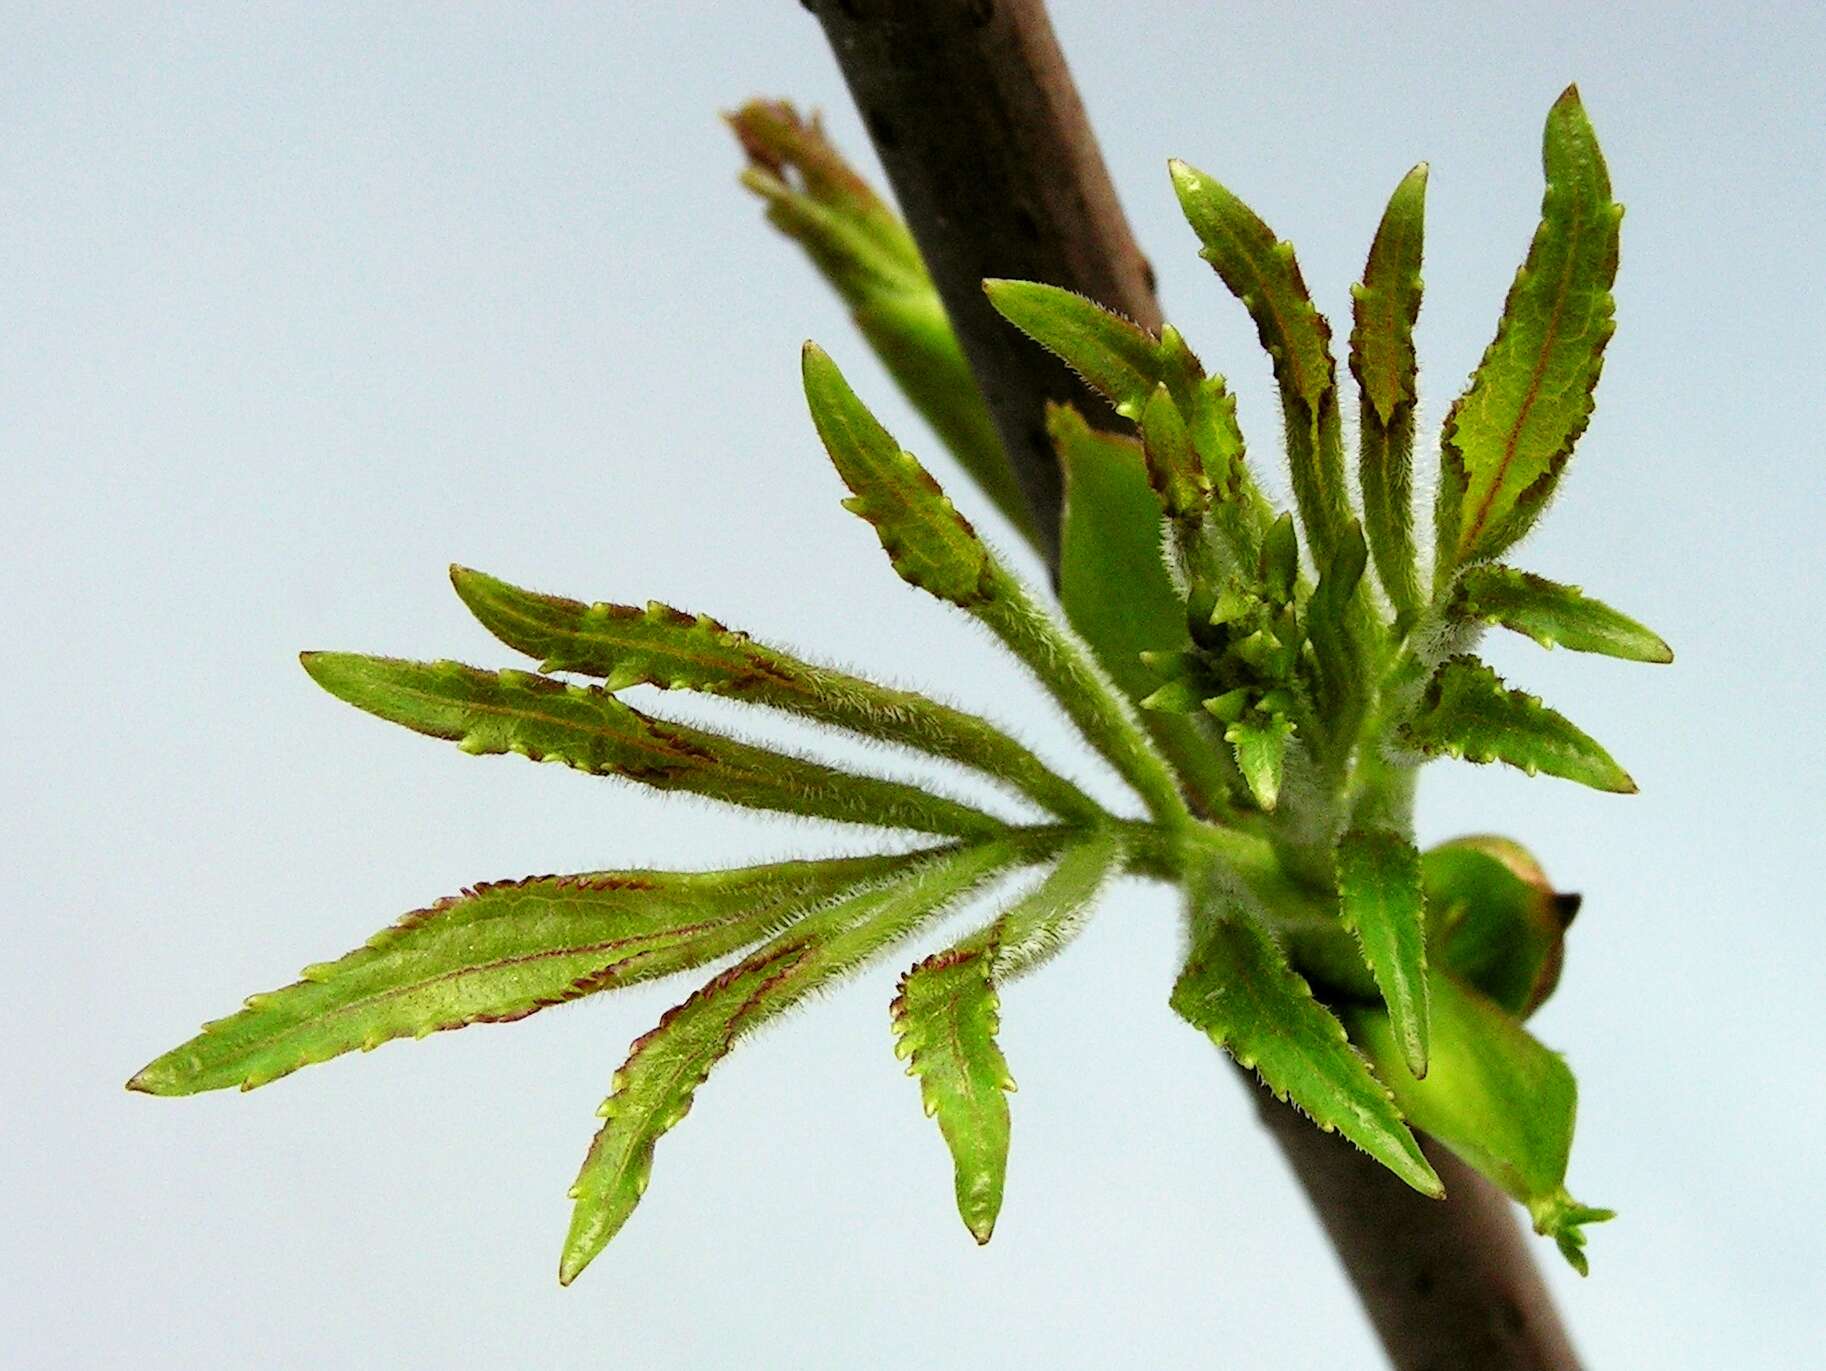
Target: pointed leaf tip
[1508, 437]
[928, 542]
[1239, 989]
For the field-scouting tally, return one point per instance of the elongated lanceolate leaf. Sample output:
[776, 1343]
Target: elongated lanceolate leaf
[946, 1018]
[1238, 988]
[1381, 901]
[1384, 308]
[664, 647]
[1467, 712]
[1553, 614]
[933, 547]
[945, 1023]
[1038, 925]
[1117, 359]
[1508, 436]
[1333, 623]
[1114, 586]
[587, 728]
[930, 544]
[1260, 270]
[1174, 468]
[864, 251]
[654, 1088]
[1497, 1098]
[500, 952]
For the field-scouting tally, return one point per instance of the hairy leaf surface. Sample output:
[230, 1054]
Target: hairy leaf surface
[1113, 581]
[1261, 271]
[1334, 624]
[1553, 614]
[1174, 467]
[500, 952]
[1384, 308]
[1117, 359]
[1381, 901]
[654, 1088]
[933, 547]
[1468, 712]
[1238, 988]
[587, 728]
[1497, 1098]
[864, 251]
[930, 544]
[1509, 435]
[945, 1022]
[1039, 925]
[665, 647]
[1260, 743]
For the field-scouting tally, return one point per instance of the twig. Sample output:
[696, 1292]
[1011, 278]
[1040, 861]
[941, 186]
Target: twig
[975, 117]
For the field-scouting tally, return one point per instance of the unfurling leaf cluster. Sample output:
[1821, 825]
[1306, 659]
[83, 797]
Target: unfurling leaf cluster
[1265, 696]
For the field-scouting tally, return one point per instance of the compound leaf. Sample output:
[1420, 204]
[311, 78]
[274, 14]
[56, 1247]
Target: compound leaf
[1509, 435]
[655, 1087]
[1467, 712]
[1380, 900]
[587, 728]
[1238, 988]
[1553, 614]
[498, 953]
[1497, 1098]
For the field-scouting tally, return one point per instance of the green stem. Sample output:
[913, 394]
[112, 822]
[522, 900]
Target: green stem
[1065, 667]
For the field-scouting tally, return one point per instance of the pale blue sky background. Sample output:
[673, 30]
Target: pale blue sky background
[302, 302]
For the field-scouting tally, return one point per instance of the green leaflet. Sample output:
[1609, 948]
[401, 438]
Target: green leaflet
[933, 547]
[1238, 988]
[946, 1018]
[1467, 712]
[587, 728]
[1495, 920]
[1497, 1098]
[498, 953]
[1119, 360]
[663, 647]
[1381, 901]
[1551, 613]
[945, 1024]
[1260, 742]
[1113, 582]
[654, 1088]
[1333, 627]
[930, 544]
[1384, 307]
[1508, 436]
[1262, 273]
[1038, 926]
[866, 254]
[1174, 467]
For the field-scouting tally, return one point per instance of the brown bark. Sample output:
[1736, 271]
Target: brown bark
[975, 117]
